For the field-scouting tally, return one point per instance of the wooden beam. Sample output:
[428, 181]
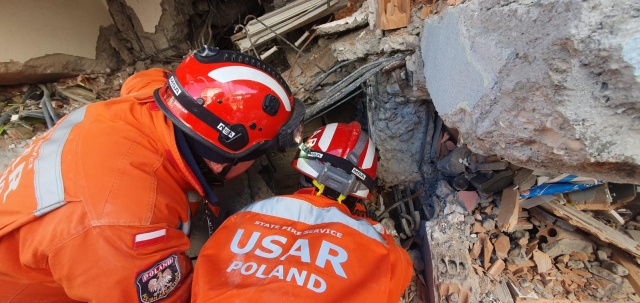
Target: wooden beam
[283, 20]
[594, 227]
[509, 209]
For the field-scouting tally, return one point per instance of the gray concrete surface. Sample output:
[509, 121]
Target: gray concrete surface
[546, 84]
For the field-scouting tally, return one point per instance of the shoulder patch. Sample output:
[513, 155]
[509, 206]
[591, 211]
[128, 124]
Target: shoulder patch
[159, 280]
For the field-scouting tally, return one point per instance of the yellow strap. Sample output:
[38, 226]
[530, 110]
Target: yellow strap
[319, 186]
[340, 198]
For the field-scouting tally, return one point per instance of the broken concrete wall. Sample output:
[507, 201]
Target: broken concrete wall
[399, 126]
[545, 84]
[52, 39]
[34, 28]
[400, 114]
[148, 12]
[45, 40]
[138, 41]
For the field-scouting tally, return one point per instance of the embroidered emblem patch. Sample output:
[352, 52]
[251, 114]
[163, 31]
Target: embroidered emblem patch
[158, 281]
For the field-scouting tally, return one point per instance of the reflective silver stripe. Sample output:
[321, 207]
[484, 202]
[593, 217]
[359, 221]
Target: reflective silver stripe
[302, 211]
[354, 155]
[368, 158]
[48, 166]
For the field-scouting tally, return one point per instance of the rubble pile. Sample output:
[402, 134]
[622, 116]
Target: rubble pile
[27, 111]
[531, 235]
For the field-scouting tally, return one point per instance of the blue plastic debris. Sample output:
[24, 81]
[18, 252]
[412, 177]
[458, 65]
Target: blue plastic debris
[561, 187]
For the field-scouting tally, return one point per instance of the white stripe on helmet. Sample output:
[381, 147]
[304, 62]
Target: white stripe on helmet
[327, 135]
[369, 156]
[232, 73]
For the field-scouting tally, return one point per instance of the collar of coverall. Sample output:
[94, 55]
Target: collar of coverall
[188, 156]
[327, 201]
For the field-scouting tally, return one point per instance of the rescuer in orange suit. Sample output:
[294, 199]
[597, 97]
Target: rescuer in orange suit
[307, 247]
[98, 208]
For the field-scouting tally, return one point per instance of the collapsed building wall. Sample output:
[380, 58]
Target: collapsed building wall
[549, 85]
[46, 40]
[51, 40]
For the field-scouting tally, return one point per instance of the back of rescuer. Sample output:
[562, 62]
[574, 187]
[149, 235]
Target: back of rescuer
[308, 247]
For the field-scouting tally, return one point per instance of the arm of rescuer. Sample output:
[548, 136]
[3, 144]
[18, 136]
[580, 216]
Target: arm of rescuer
[124, 264]
[401, 265]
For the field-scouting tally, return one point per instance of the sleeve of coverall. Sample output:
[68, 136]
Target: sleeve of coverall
[103, 264]
[144, 82]
[401, 270]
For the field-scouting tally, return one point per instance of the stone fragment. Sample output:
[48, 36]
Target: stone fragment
[524, 178]
[599, 271]
[489, 224]
[469, 220]
[535, 222]
[601, 255]
[473, 238]
[607, 250]
[540, 289]
[567, 246]
[615, 268]
[573, 264]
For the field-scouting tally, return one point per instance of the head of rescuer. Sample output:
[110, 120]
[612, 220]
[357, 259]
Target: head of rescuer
[231, 108]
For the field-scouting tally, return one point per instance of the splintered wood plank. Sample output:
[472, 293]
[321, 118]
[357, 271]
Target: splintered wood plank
[393, 14]
[542, 260]
[284, 20]
[634, 272]
[508, 211]
[594, 227]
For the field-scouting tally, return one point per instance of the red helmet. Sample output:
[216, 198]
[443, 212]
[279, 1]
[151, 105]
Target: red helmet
[340, 156]
[231, 103]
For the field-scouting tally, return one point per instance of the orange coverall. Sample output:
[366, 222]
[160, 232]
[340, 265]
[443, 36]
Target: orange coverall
[91, 210]
[300, 248]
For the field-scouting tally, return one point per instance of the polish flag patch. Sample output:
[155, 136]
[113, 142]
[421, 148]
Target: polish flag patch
[150, 238]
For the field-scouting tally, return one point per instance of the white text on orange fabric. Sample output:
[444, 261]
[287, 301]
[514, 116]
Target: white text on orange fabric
[270, 247]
